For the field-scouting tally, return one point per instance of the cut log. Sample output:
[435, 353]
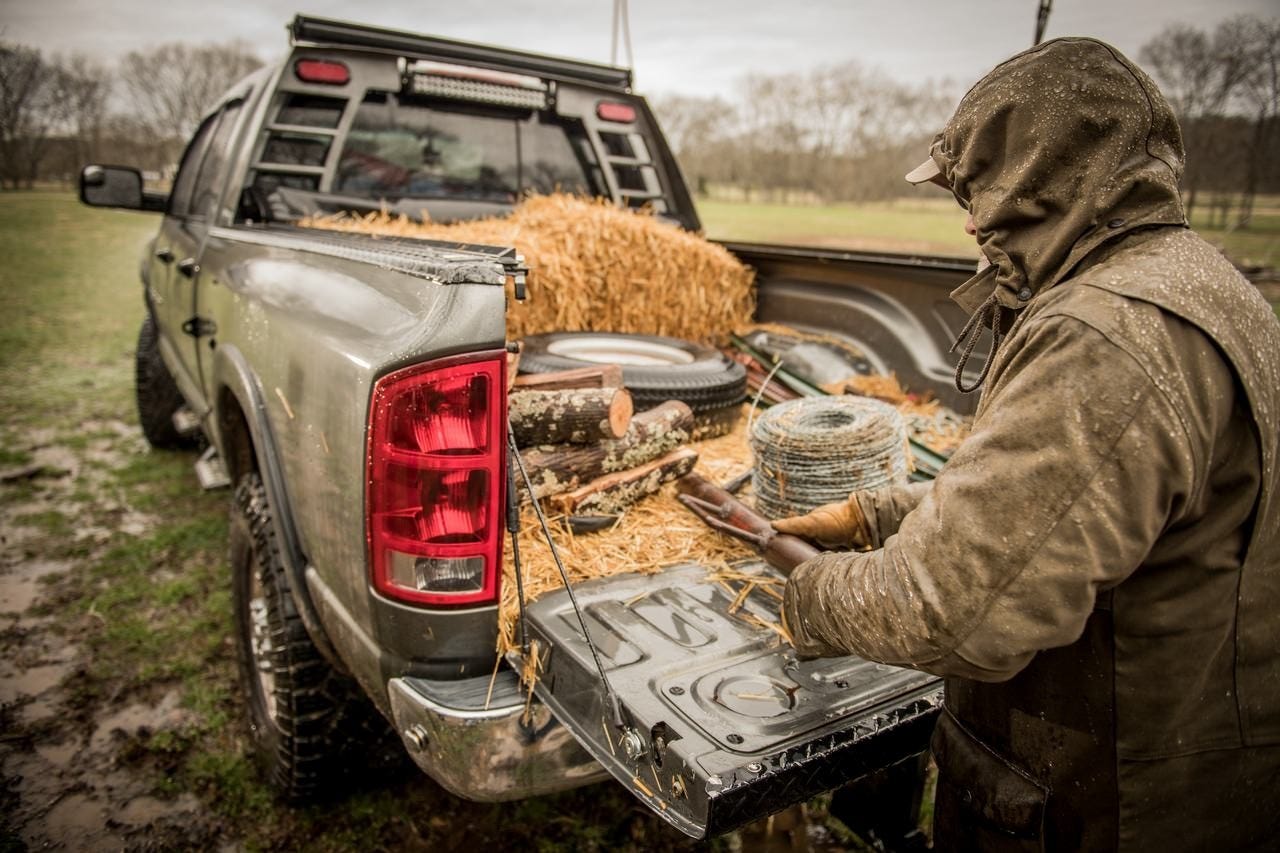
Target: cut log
[558, 468]
[597, 376]
[614, 492]
[569, 416]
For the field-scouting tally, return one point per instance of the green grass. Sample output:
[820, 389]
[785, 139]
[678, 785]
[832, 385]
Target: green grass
[70, 305]
[936, 226]
[917, 226]
[1258, 245]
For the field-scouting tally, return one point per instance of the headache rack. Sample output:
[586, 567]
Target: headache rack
[324, 32]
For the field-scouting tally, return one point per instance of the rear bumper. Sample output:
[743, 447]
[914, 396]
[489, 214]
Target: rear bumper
[487, 753]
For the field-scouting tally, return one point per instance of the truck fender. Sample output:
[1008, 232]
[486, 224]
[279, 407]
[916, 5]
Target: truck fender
[234, 379]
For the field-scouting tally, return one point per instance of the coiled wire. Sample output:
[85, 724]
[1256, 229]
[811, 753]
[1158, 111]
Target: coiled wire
[816, 450]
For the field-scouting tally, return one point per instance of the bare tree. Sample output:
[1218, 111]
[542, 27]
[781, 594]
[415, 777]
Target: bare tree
[27, 113]
[838, 132]
[81, 89]
[700, 131]
[1259, 96]
[173, 85]
[1198, 75]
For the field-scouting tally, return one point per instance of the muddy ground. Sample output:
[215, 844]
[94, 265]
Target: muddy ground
[70, 764]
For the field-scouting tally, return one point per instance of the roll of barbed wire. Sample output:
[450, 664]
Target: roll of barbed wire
[816, 450]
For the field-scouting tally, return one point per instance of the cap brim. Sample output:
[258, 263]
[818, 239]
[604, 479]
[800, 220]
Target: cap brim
[926, 172]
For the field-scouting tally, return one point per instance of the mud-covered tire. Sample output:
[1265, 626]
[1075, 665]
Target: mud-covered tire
[309, 724]
[157, 394]
[712, 384]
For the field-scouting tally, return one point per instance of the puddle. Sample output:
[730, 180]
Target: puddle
[130, 720]
[77, 822]
[141, 811]
[32, 681]
[56, 461]
[20, 584]
[58, 754]
[136, 523]
[120, 428]
[97, 534]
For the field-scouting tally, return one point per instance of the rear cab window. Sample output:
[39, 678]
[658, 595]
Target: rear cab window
[406, 146]
[450, 142]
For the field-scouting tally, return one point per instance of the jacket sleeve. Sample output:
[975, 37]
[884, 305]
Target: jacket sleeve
[885, 508]
[1075, 463]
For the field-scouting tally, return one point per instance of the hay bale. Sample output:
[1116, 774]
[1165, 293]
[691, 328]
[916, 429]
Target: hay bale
[594, 266]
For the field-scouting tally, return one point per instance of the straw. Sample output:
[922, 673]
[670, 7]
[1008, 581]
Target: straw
[594, 266]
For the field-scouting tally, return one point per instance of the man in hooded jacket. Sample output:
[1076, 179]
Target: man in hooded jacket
[1096, 572]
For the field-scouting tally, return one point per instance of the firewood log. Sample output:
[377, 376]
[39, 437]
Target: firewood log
[596, 376]
[569, 416]
[614, 492]
[559, 468]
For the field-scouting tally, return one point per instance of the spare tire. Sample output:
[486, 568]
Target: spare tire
[654, 369]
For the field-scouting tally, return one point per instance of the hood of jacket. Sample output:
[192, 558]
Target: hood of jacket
[1060, 149]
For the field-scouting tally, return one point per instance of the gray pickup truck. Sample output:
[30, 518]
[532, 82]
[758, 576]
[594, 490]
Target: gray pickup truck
[342, 382]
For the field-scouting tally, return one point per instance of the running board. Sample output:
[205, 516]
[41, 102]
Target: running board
[210, 471]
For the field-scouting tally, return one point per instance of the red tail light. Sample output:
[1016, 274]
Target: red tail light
[437, 446]
[323, 71]
[615, 111]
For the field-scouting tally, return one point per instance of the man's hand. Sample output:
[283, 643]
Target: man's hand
[834, 525]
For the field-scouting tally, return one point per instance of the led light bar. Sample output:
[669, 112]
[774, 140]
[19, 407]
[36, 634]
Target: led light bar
[481, 85]
[459, 89]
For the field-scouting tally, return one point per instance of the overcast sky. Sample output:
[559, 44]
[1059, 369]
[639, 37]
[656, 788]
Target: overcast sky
[689, 46]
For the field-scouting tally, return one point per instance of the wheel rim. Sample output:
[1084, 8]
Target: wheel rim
[260, 640]
[606, 350]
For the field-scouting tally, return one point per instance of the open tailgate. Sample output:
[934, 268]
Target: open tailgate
[723, 724]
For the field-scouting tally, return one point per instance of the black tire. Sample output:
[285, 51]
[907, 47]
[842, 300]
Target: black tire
[701, 376]
[309, 724]
[157, 394]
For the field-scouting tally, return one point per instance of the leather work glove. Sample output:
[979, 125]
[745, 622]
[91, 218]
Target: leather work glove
[835, 524]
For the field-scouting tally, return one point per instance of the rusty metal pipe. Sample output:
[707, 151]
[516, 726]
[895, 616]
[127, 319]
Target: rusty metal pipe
[723, 512]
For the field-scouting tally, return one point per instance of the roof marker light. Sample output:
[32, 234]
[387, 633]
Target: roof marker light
[323, 71]
[615, 111]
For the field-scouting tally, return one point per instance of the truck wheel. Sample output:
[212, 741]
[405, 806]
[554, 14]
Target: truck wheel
[306, 719]
[654, 369]
[157, 394]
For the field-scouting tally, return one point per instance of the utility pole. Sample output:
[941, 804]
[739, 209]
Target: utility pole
[1042, 20]
[621, 24]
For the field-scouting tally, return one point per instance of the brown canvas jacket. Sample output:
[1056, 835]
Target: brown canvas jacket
[1097, 569]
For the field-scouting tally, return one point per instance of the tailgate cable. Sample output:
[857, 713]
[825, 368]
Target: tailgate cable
[513, 527]
[611, 698]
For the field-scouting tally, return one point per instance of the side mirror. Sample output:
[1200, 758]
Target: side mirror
[117, 186]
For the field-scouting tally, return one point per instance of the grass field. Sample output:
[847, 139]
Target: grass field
[935, 225]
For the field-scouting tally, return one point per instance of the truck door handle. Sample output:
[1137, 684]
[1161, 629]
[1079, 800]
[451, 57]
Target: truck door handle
[164, 256]
[188, 267]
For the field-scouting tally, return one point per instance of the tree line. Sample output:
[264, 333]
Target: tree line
[835, 133]
[58, 113]
[847, 133]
